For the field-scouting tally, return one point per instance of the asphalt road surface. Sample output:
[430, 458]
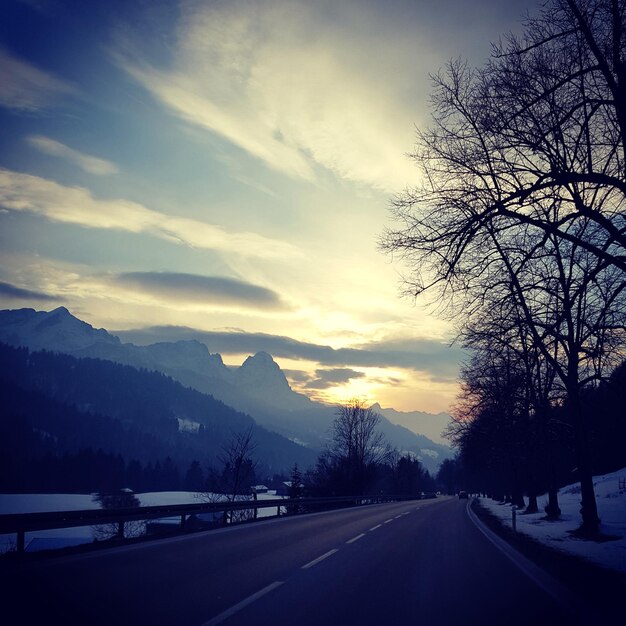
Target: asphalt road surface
[420, 562]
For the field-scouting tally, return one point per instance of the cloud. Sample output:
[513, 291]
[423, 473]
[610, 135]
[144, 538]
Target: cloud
[76, 205]
[26, 87]
[88, 163]
[332, 377]
[11, 291]
[195, 289]
[254, 74]
[433, 357]
[297, 376]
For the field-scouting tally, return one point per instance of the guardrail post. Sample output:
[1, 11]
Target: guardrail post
[20, 541]
[183, 521]
[514, 519]
[120, 529]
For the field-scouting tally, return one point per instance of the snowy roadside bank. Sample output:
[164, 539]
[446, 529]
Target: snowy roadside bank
[611, 501]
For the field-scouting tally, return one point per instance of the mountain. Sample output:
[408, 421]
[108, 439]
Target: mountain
[57, 330]
[258, 387]
[113, 407]
[261, 378]
[427, 424]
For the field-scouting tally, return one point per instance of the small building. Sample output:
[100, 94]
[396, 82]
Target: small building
[285, 488]
[259, 489]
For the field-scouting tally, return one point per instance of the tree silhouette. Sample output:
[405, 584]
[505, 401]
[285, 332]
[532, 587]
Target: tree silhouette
[521, 198]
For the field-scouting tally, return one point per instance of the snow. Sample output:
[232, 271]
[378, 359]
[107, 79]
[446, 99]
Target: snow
[63, 537]
[611, 501]
[187, 426]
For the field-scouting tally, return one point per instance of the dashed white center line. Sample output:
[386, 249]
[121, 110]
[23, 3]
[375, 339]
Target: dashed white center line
[375, 527]
[355, 538]
[398, 516]
[243, 604]
[319, 558]
[387, 521]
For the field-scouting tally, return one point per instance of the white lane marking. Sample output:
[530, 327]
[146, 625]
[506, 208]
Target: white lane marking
[387, 521]
[398, 516]
[319, 558]
[355, 538]
[244, 603]
[375, 527]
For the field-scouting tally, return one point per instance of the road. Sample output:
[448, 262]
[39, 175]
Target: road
[402, 563]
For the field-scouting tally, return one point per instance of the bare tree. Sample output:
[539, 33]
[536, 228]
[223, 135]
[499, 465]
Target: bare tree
[357, 444]
[522, 194]
[122, 499]
[545, 118]
[236, 475]
[238, 464]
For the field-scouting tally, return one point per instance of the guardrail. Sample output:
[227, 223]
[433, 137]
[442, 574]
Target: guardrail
[21, 523]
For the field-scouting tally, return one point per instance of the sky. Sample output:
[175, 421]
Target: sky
[223, 170]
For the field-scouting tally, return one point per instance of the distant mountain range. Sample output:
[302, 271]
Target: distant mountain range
[427, 424]
[258, 387]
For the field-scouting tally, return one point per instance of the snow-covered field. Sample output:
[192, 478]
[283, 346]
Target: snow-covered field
[64, 537]
[611, 502]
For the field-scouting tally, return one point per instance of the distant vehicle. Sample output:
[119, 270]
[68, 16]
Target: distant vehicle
[462, 495]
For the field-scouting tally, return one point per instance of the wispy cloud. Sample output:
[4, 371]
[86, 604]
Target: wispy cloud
[11, 291]
[325, 379]
[195, 289]
[87, 162]
[76, 205]
[254, 74]
[26, 87]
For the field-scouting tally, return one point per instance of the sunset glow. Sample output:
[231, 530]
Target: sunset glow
[223, 170]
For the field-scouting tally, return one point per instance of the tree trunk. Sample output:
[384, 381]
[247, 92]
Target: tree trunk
[532, 503]
[588, 509]
[518, 500]
[532, 494]
[552, 509]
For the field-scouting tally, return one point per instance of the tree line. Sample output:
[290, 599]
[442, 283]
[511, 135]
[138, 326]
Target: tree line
[56, 406]
[359, 461]
[517, 230]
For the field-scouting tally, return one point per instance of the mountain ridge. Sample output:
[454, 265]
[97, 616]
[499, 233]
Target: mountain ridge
[258, 387]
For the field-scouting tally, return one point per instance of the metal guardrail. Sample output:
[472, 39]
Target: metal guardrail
[21, 523]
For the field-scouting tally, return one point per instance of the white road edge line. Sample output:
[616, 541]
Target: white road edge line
[375, 527]
[398, 516]
[541, 578]
[355, 538]
[319, 558]
[388, 520]
[218, 619]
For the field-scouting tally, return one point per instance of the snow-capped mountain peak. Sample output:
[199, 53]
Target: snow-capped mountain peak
[57, 330]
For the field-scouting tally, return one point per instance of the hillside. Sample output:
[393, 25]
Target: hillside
[62, 404]
[258, 387]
